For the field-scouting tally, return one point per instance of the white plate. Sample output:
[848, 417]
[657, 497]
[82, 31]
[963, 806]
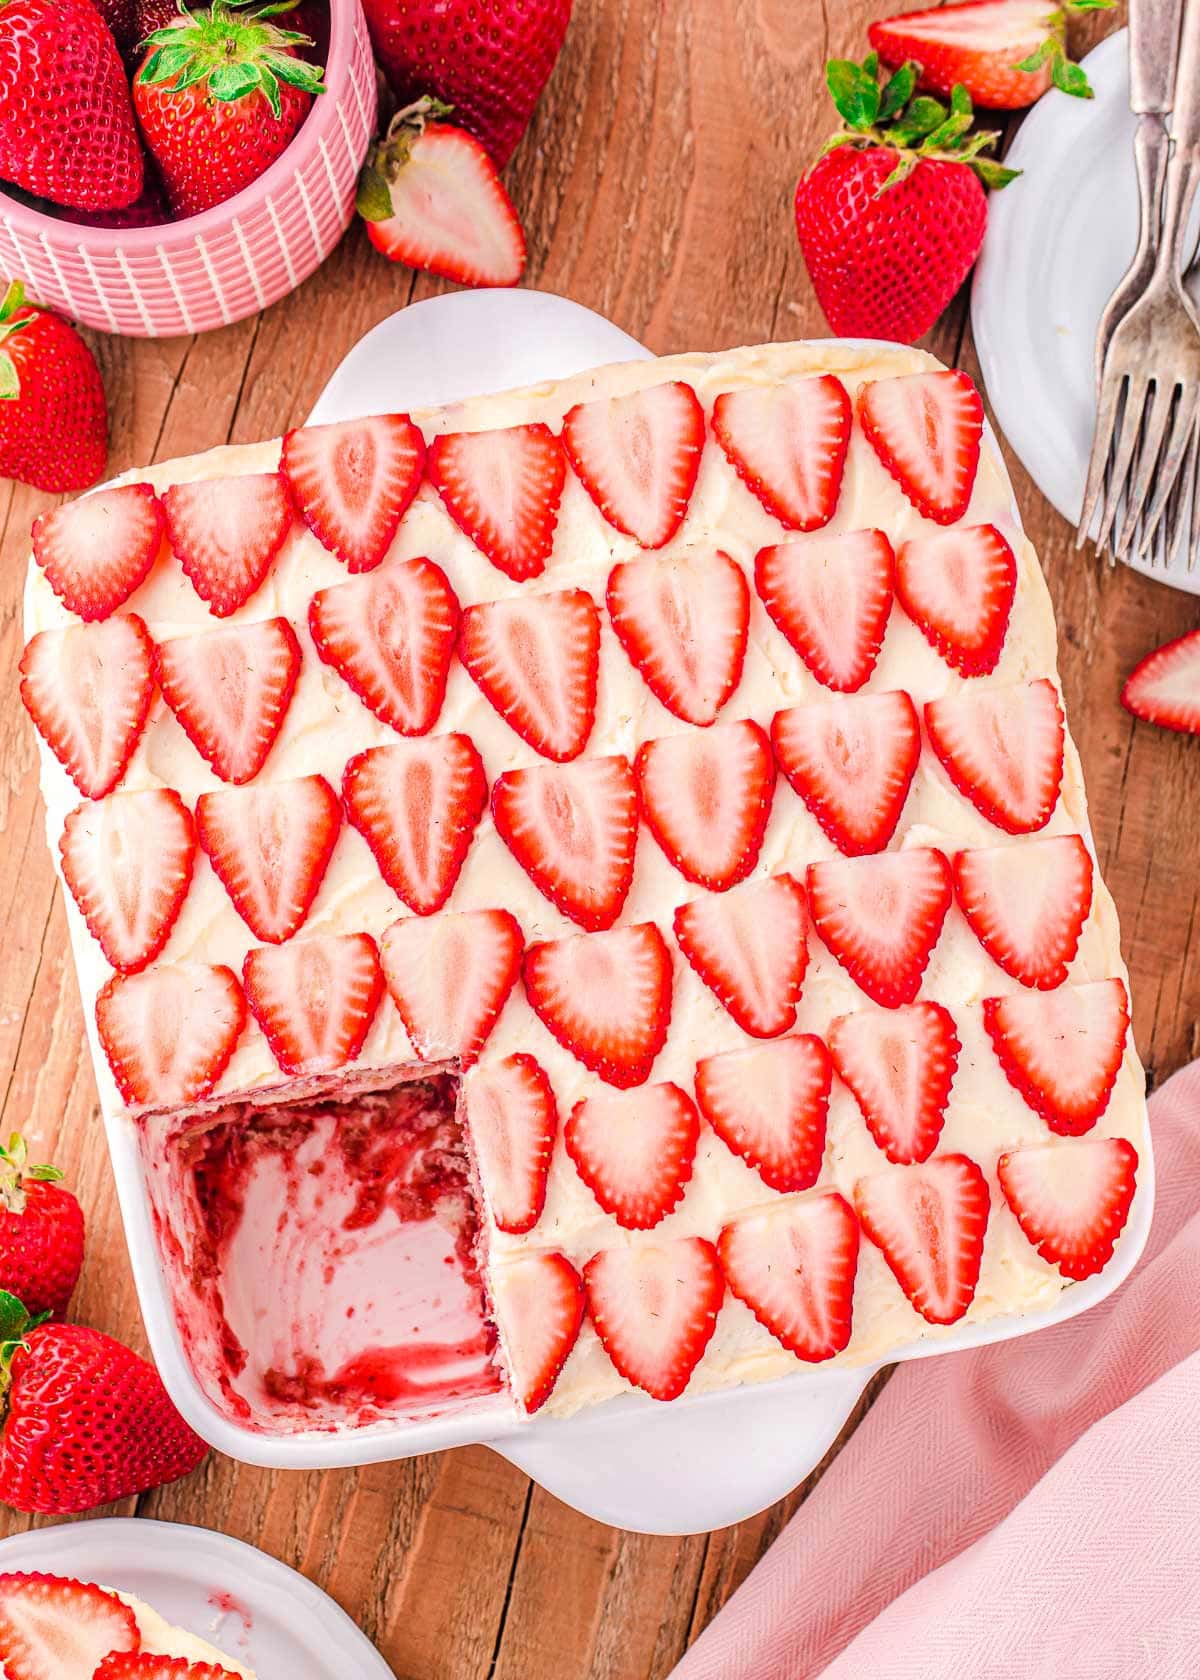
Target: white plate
[249, 1605]
[1058, 241]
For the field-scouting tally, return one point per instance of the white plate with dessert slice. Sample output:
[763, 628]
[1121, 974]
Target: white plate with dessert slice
[202, 1595]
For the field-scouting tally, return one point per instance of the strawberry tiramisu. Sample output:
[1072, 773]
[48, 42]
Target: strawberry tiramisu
[586, 888]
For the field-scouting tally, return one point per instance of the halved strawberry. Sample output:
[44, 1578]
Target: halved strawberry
[503, 488]
[1062, 1050]
[128, 863]
[900, 1065]
[225, 532]
[707, 798]
[450, 976]
[683, 621]
[637, 457]
[96, 552]
[314, 999]
[929, 1220]
[52, 1628]
[926, 429]
[352, 483]
[1027, 904]
[831, 596]
[606, 997]
[146, 1665]
[634, 1150]
[1003, 750]
[88, 690]
[750, 948]
[958, 589]
[793, 1263]
[655, 1309]
[769, 1103]
[1165, 687]
[539, 1304]
[787, 443]
[230, 690]
[985, 44]
[573, 830]
[168, 1032]
[270, 847]
[536, 658]
[391, 636]
[513, 1119]
[851, 760]
[417, 804]
[1071, 1200]
[881, 917]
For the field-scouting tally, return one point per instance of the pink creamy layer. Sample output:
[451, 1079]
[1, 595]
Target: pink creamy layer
[322, 1257]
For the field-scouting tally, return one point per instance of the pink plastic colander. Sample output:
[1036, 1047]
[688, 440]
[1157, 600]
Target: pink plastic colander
[228, 262]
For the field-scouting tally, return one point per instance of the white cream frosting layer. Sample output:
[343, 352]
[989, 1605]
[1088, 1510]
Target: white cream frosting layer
[326, 724]
[161, 1639]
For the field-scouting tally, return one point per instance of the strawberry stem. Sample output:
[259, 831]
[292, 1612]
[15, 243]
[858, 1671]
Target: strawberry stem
[15, 1169]
[236, 53]
[15, 1324]
[389, 154]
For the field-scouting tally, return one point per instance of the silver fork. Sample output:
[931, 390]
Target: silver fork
[1150, 375]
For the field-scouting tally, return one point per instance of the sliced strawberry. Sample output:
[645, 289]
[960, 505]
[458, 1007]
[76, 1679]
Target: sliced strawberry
[683, 621]
[634, 1150]
[97, 551]
[573, 830]
[391, 636]
[417, 804]
[655, 1309]
[147, 1665]
[270, 847]
[225, 532]
[851, 760]
[169, 1032]
[88, 690]
[900, 1065]
[1071, 1200]
[1003, 750]
[926, 429]
[637, 457]
[831, 597]
[958, 589]
[503, 488]
[1027, 904]
[793, 1263]
[230, 690]
[707, 798]
[52, 1628]
[1062, 1050]
[450, 976]
[787, 443]
[536, 659]
[314, 999]
[769, 1103]
[1165, 687]
[513, 1119]
[881, 917]
[750, 947]
[984, 45]
[606, 997]
[449, 212]
[352, 483]
[128, 863]
[929, 1220]
[539, 1303]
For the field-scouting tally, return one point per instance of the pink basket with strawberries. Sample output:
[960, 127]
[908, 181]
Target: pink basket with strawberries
[228, 262]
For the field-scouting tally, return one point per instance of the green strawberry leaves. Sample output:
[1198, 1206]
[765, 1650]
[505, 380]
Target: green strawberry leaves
[389, 154]
[236, 53]
[15, 1325]
[15, 1170]
[1068, 77]
[913, 125]
[13, 300]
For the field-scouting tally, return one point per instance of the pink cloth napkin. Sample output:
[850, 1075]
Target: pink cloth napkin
[1028, 1511]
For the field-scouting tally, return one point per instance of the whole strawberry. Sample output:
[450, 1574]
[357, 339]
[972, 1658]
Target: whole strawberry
[66, 125]
[41, 1232]
[85, 1421]
[53, 419]
[892, 214]
[121, 18]
[489, 59]
[219, 96]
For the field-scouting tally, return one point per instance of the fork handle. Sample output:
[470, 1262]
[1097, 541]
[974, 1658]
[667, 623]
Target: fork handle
[1183, 170]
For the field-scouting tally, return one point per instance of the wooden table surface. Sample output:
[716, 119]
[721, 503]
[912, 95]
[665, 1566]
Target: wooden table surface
[655, 186]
